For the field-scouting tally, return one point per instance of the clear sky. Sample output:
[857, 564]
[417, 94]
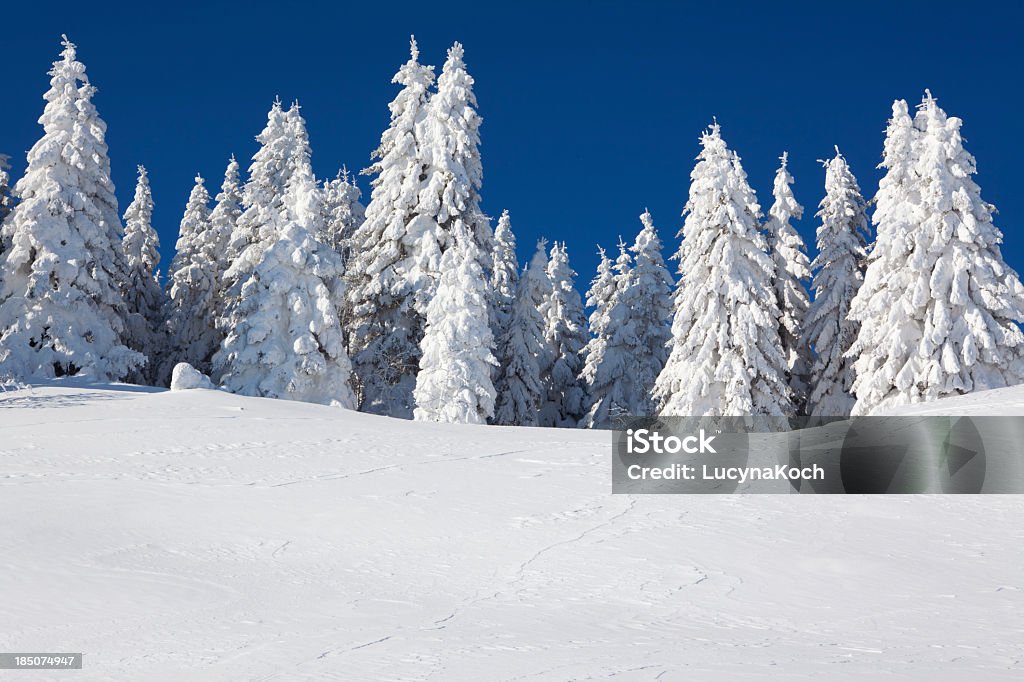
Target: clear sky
[592, 111]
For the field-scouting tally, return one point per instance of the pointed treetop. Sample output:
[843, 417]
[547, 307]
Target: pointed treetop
[784, 159]
[69, 47]
[647, 220]
[456, 52]
[414, 50]
[142, 171]
[199, 179]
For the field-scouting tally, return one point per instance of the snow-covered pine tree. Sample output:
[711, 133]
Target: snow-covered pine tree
[343, 212]
[650, 315]
[939, 308]
[565, 331]
[192, 335]
[6, 200]
[505, 274]
[284, 337]
[838, 273]
[454, 382]
[518, 385]
[450, 198]
[792, 270]
[217, 244]
[384, 328]
[62, 310]
[262, 204]
[604, 375]
[726, 356]
[143, 295]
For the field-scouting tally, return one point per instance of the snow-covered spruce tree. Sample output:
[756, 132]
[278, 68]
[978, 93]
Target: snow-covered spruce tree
[450, 199]
[518, 385]
[838, 273]
[650, 314]
[284, 337]
[939, 308]
[303, 196]
[565, 331]
[792, 270]
[343, 212]
[384, 327]
[454, 381]
[62, 309]
[262, 204]
[223, 221]
[143, 295]
[604, 375]
[505, 275]
[726, 356]
[6, 200]
[192, 335]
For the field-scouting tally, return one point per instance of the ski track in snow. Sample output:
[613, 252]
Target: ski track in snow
[203, 536]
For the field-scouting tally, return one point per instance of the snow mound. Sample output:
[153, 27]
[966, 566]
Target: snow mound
[186, 377]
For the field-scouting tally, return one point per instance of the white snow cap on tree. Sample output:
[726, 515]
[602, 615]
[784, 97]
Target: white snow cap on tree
[838, 273]
[343, 212]
[143, 295]
[62, 310]
[939, 308]
[792, 270]
[524, 348]
[565, 330]
[385, 328]
[454, 381]
[726, 356]
[284, 337]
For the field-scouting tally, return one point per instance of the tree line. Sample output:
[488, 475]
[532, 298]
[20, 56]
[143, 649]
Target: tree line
[412, 306]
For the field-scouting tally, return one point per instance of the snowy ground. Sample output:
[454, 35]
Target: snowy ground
[202, 536]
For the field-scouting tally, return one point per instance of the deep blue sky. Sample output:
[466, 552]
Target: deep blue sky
[592, 111]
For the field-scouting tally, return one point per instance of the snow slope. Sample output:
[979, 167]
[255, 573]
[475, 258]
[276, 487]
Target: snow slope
[998, 403]
[198, 535]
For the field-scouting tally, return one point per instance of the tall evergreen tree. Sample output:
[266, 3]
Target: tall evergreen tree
[505, 276]
[143, 295]
[605, 373]
[223, 223]
[62, 310]
[450, 199]
[650, 314]
[6, 200]
[262, 204]
[192, 336]
[565, 331]
[454, 381]
[284, 337]
[838, 273]
[518, 385]
[726, 356]
[792, 270]
[384, 327]
[939, 308]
